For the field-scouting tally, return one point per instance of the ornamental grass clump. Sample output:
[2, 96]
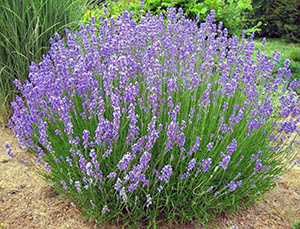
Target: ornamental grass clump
[157, 121]
[25, 29]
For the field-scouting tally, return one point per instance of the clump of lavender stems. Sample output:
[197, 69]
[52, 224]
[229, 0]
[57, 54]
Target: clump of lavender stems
[132, 119]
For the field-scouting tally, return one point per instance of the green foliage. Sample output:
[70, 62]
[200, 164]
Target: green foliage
[286, 19]
[230, 12]
[261, 8]
[296, 225]
[113, 10]
[295, 54]
[280, 18]
[25, 29]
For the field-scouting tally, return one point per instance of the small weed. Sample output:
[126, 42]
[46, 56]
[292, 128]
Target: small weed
[296, 225]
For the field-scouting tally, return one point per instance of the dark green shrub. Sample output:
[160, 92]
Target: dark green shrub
[280, 18]
[286, 19]
[261, 8]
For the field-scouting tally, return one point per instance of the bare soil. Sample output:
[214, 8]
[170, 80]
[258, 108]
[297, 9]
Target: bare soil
[26, 201]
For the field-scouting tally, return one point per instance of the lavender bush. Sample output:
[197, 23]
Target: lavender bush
[161, 118]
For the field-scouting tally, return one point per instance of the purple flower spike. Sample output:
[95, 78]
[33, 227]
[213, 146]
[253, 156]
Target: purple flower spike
[166, 173]
[206, 164]
[125, 162]
[8, 150]
[191, 164]
[231, 148]
[69, 161]
[210, 146]
[111, 175]
[85, 138]
[232, 186]
[224, 163]
[47, 166]
[144, 160]
[63, 183]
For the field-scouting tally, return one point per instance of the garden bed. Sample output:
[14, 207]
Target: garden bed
[28, 202]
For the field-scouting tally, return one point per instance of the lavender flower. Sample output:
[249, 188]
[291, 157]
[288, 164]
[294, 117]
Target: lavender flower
[125, 162]
[258, 165]
[47, 166]
[85, 138]
[57, 132]
[210, 146]
[191, 164]
[133, 186]
[185, 175]
[195, 147]
[172, 133]
[136, 175]
[231, 148]
[166, 173]
[224, 163]
[232, 186]
[89, 169]
[239, 183]
[8, 150]
[69, 161]
[118, 184]
[63, 183]
[133, 128]
[144, 160]
[111, 175]
[206, 164]
[105, 10]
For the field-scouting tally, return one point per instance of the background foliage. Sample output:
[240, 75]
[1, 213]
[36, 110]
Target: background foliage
[280, 18]
[25, 30]
[230, 12]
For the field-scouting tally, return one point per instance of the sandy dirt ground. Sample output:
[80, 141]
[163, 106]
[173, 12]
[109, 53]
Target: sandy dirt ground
[26, 201]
